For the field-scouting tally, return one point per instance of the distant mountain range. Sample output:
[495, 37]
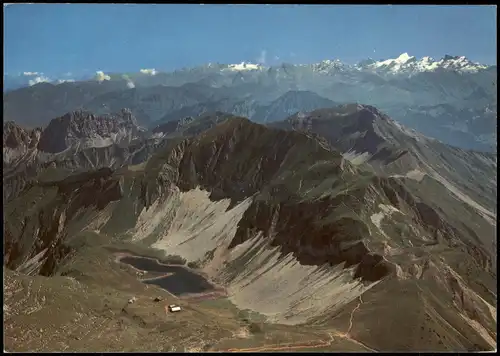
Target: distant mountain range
[452, 99]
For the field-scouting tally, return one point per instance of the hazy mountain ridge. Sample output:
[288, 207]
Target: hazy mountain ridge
[364, 134]
[463, 94]
[289, 103]
[404, 64]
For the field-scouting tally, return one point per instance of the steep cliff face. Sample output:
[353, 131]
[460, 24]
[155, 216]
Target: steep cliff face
[298, 229]
[14, 136]
[75, 142]
[18, 141]
[84, 129]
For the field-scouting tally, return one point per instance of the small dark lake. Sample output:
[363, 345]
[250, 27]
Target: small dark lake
[182, 281]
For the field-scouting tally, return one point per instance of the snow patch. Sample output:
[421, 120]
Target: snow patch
[414, 174]
[60, 81]
[243, 66]
[385, 210]
[356, 158]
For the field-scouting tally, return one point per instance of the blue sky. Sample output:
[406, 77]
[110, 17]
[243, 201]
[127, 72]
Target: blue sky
[83, 38]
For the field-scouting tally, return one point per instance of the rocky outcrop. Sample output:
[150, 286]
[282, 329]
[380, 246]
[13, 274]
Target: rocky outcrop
[18, 142]
[74, 142]
[65, 205]
[14, 136]
[87, 130]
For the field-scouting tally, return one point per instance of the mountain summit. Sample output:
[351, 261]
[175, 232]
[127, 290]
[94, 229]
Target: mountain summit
[406, 64]
[83, 129]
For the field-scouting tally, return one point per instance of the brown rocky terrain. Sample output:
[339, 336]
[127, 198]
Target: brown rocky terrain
[73, 142]
[88, 130]
[294, 227]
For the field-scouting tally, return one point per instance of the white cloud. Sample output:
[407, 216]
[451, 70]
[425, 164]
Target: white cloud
[100, 76]
[262, 57]
[149, 71]
[39, 79]
[36, 77]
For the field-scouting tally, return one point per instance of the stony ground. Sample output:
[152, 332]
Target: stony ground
[88, 310]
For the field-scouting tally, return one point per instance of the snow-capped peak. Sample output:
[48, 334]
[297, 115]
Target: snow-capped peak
[409, 65]
[243, 66]
[460, 64]
[394, 64]
[403, 58]
[330, 62]
[327, 65]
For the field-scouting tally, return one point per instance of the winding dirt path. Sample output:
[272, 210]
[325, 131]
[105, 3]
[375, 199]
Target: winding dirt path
[289, 346]
[298, 346]
[311, 345]
[352, 315]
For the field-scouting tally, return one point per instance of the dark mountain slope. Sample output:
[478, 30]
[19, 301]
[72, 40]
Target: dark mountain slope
[150, 104]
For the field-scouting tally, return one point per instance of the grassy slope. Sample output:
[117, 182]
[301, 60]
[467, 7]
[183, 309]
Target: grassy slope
[87, 310]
